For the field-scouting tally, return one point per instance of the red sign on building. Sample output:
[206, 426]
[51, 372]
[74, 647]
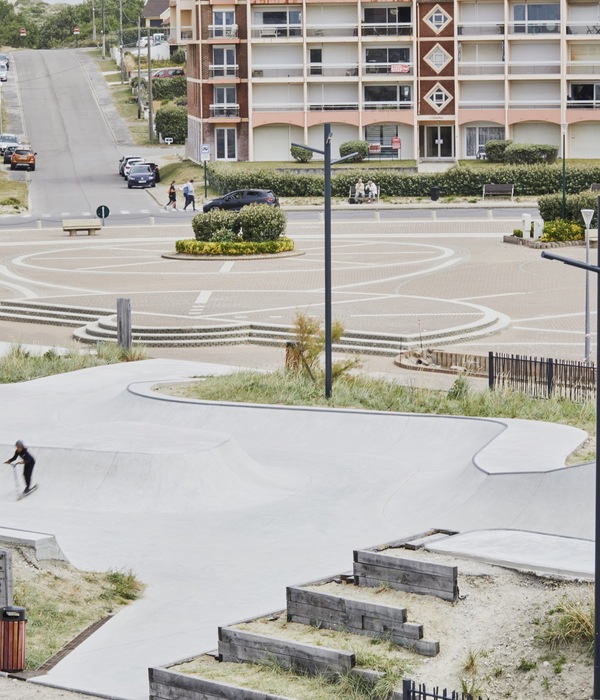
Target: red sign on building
[396, 143]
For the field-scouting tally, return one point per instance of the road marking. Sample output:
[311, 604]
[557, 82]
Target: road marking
[200, 302]
[493, 296]
[228, 266]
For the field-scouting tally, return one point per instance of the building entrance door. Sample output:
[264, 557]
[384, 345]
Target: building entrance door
[437, 142]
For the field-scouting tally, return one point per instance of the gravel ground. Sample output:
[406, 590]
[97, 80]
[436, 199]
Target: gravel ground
[11, 689]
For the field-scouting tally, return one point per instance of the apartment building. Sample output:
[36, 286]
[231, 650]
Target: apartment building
[422, 80]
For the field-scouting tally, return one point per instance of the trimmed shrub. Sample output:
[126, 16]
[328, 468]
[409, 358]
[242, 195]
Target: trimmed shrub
[518, 233]
[560, 230]
[171, 122]
[205, 226]
[224, 235]
[193, 247]
[360, 147]
[178, 57]
[494, 150]
[302, 155]
[531, 153]
[550, 206]
[261, 222]
[166, 89]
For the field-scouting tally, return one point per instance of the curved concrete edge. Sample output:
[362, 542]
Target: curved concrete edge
[523, 550]
[45, 545]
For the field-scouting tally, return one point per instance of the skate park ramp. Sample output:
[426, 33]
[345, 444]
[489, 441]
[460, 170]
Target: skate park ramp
[218, 507]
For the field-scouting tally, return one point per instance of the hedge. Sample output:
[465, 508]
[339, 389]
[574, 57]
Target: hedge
[550, 206]
[165, 89]
[194, 247]
[462, 181]
[171, 122]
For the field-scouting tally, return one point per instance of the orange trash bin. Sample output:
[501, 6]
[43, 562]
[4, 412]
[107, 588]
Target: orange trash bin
[12, 638]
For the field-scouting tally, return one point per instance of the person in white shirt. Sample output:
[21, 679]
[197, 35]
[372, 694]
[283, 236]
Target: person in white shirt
[371, 191]
[359, 191]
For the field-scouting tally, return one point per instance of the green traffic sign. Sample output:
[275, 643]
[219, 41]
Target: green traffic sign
[103, 211]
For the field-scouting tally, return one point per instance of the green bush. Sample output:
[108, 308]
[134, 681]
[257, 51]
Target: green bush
[361, 148]
[529, 153]
[494, 150]
[166, 89]
[171, 122]
[261, 222]
[561, 230]
[550, 206]
[302, 155]
[224, 235]
[178, 57]
[518, 233]
[194, 247]
[205, 226]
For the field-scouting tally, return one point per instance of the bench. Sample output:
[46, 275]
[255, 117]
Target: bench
[352, 198]
[499, 190]
[73, 226]
[595, 187]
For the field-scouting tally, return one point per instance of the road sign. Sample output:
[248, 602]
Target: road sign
[76, 30]
[396, 143]
[204, 152]
[23, 32]
[102, 212]
[168, 140]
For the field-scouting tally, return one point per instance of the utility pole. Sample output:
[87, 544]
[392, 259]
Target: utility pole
[121, 39]
[150, 115]
[103, 34]
[139, 97]
[93, 22]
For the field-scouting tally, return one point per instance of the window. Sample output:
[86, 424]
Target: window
[316, 61]
[225, 104]
[279, 22]
[537, 18]
[438, 97]
[437, 58]
[476, 136]
[437, 19]
[226, 144]
[224, 62]
[387, 96]
[390, 21]
[381, 60]
[223, 22]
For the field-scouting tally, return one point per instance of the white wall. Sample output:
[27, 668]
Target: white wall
[271, 93]
[273, 142]
[536, 132]
[329, 93]
[331, 14]
[340, 134]
[491, 51]
[535, 51]
[480, 11]
[535, 89]
[277, 54]
[583, 141]
[482, 91]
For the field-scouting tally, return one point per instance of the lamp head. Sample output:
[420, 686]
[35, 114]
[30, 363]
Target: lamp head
[588, 215]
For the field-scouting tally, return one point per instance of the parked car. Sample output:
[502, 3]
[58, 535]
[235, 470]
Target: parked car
[158, 38]
[142, 42]
[8, 140]
[4, 59]
[167, 73]
[3, 72]
[141, 175]
[130, 163]
[124, 160]
[8, 151]
[234, 201]
[23, 157]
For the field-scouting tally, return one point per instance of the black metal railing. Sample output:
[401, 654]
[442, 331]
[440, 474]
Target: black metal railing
[412, 691]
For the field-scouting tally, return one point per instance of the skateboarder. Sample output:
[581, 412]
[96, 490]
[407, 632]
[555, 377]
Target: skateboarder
[28, 463]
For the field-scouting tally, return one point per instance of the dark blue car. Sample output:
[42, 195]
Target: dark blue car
[141, 175]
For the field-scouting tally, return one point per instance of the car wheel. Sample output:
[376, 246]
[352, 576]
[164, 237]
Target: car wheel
[214, 209]
[12, 167]
[129, 185]
[153, 184]
[32, 168]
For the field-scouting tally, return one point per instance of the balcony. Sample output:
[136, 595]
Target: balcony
[400, 29]
[537, 104]
[540, 67]
[178, 35]
[583, 104]
[332, 70]
[481, 68]
[481, 104]
[281, 71]
[224, 110]
[583, 67]
[333, 107]
[279, 107]
[223, 71]
[222, 31]
[480, 28]
[388, 69]
[397, 104]
[587, 28]
[544, 27]
[331, 30]
[276, 31]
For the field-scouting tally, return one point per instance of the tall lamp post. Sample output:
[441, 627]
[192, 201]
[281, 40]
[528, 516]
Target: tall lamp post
[588, 215]
[326, 153]
[593, 268]
[563, 128]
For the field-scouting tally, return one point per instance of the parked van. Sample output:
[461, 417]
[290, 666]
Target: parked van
[158, 38]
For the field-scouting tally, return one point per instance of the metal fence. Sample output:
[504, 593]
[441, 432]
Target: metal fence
[543, 378]
[412, 691]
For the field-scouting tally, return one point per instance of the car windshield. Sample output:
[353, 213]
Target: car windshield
[22, 151]
[8, 138]
[137, 169]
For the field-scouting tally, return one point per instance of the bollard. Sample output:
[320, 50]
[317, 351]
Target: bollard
[12, 638]
[526, 221]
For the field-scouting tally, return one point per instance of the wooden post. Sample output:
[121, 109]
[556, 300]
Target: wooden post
[124, 323]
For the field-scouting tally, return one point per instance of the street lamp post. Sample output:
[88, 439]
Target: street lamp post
[593, 268]
[326, 153]
[588, 215]
[563, 128]
[121, 48]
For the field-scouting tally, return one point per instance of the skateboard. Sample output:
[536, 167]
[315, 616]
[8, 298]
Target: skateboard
[24, 495]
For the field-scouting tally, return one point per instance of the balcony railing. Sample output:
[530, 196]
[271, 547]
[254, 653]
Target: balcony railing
[481, 68]
[397, 104]
[223, 71]
[388, 69]
[222, 31]
[276, 31]
[333, 106]
[544, 27]
[583, 104]
[280, 71]
[583, 67]
[480, 28]
[481, 104]
[540, 67]
[331, 30]
[591, 26]
[279, 107]
[225, 110]
[332, 70]
[537, 104]
[399, 29]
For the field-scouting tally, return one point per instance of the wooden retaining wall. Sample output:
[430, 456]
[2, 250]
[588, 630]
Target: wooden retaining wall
[357, 617]
[237, 645]
[374, 569]
[168, 685]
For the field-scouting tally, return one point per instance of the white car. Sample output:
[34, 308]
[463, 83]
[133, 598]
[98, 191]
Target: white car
[8, 140]
[3, 72]
[130, 163]
[142, 42]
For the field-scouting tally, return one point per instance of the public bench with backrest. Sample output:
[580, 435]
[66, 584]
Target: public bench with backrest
[595, 187]
[501, 190]
[90, 226]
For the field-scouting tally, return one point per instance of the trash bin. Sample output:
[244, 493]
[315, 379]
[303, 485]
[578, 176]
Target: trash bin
[435, 194]
[12, 638]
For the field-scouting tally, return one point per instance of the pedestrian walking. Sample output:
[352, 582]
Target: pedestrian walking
[188, 193]
[28, 462]
[172, 203]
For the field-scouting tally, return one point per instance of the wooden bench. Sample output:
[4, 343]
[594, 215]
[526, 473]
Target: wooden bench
[353, 199]
[499, 190]
[73, 226]
[595, 187]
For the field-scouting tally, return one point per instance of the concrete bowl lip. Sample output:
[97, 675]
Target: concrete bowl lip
[258, 256]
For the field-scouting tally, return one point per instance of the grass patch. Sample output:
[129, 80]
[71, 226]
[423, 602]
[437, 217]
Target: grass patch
[62, 601]
[570, 622]
[368, 393]
[13, 194]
